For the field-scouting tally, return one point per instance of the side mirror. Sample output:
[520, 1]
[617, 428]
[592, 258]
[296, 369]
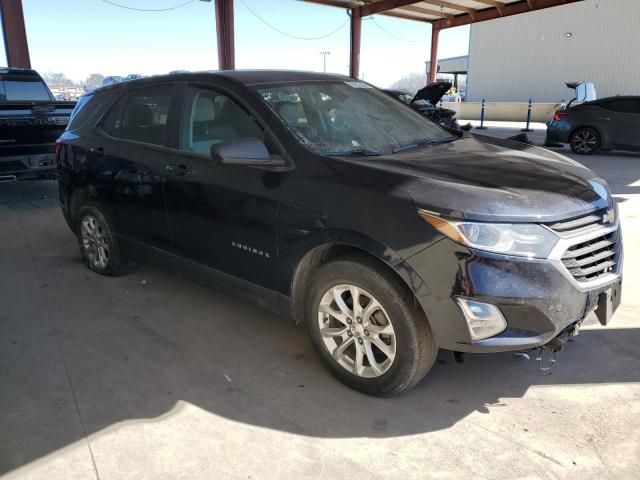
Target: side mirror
[244, 151]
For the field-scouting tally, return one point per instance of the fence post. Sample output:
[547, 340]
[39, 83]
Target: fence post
[527, 128]
[482, 127]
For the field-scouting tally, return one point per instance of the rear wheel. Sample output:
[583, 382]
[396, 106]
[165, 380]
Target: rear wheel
[585, 141]
[97, 241]
[365, 329]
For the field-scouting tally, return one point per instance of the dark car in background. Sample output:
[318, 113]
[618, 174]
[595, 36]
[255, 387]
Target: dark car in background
[611, 123]
[31, 120]
[321, 197]
[425, 102]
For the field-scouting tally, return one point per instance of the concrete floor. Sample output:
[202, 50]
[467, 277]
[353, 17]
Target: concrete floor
[151, 377]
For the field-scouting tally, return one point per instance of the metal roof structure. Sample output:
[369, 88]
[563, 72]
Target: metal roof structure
[444, 14]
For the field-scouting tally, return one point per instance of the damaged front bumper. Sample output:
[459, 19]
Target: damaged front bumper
[538, 298]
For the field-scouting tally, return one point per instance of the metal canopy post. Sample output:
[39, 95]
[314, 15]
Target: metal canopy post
[356, 31]
[15, 34]
[224, 30]
[433, 63]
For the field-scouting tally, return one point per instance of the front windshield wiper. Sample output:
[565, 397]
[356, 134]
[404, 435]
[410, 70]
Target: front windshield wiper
[357, 152]
[422, 143]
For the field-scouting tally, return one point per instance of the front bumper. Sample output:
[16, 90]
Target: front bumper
[538, 298]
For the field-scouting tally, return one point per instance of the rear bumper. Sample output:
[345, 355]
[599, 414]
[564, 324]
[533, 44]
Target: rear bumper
[558, 132]
[29, 166]
[537, 298]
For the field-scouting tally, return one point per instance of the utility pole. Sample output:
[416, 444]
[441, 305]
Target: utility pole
[324, 58]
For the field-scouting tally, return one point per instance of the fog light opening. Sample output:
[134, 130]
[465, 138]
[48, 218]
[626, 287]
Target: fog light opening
[483, 319]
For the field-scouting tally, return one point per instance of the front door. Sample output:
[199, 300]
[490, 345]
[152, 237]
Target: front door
[221, 216]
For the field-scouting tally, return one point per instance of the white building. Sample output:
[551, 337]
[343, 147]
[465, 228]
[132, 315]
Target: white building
[515, 58]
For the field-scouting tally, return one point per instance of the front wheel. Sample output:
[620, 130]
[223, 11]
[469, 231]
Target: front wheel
[365, 329]
[585, 141]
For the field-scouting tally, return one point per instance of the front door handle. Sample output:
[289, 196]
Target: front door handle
[178, 170]
[606, 119]
[98, 151]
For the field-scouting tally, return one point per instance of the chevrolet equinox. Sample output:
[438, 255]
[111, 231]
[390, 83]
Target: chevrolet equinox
[321, 197]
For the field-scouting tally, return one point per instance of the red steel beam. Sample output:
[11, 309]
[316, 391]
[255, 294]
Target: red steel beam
[15, 34]
[224, 30]
[356, 29]
[383, 6]
[507, 10]
[433, 59]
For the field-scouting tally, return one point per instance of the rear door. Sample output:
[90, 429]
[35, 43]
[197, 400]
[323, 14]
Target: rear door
[221, 216]
[624, 122]
[129, 157]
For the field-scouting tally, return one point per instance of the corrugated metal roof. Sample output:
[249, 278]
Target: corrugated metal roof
[447, 13]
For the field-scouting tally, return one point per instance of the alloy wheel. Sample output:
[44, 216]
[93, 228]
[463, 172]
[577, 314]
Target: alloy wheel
[94, 242]
[357, 331]
[584, 141]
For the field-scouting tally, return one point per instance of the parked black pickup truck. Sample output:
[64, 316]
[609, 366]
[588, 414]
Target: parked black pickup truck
[31, 120]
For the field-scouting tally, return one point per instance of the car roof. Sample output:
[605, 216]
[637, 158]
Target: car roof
[616, 97]
[246, 77]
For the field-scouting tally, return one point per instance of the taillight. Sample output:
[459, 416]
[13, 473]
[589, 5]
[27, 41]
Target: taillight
[58, 150]
[559, 114]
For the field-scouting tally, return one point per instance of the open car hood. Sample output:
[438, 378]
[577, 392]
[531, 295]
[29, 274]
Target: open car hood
[432, 92]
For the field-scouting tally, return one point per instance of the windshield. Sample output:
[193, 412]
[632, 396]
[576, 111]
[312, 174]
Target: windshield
[342, 118]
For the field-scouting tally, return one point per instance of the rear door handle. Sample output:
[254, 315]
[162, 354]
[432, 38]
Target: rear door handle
[99, 151]
[606, 119]
[178, 170]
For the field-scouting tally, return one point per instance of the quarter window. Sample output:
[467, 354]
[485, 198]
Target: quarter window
[141, 115]
[211, 117]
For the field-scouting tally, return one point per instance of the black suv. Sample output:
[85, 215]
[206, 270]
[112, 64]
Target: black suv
[321, 196]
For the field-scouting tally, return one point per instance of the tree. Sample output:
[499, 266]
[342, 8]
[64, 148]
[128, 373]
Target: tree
[94, 80]
[58, 80]
[412, 82]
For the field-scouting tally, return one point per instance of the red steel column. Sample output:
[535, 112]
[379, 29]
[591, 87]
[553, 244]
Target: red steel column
[356, 28]
[433, 60]
[15, 34]
[224, 30]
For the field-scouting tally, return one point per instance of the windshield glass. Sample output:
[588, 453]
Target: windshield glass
[334, 118]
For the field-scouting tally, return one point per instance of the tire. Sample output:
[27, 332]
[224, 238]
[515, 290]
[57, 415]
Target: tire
[584, 141]
[409, 340]
[97, 241]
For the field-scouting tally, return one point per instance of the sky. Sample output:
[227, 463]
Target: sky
[79, 37]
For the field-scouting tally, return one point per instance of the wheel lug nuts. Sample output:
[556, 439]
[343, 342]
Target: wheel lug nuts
[349, 320]
[359, 320]
[360, 341]
[366, 332]
[349, 333]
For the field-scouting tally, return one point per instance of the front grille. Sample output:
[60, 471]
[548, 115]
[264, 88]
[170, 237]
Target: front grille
[594, 258]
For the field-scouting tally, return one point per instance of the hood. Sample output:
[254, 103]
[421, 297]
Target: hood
[489, 179]
[432, 92]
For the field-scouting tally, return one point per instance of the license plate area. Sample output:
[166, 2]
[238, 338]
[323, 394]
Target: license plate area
[608, 302]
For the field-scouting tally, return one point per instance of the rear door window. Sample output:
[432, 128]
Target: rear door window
[141, 115]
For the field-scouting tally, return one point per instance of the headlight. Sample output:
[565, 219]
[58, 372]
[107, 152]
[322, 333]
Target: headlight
[521, 239]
